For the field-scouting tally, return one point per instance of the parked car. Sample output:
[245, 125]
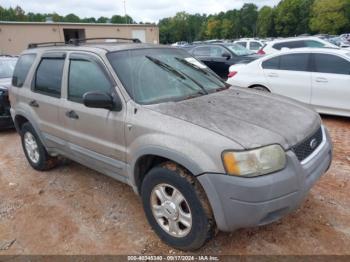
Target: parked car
[319, 77]
[201, 154]
[340, 41]
[219, 57]
[180, 44]
[251, 44]
[7, 65]
[295, 42]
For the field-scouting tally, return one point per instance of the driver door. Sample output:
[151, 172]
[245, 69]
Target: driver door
[95, 136]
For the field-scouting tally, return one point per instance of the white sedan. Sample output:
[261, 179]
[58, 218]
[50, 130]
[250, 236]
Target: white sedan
[316, 76]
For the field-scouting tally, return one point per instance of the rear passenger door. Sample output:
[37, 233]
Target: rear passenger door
[202, 53]
[331, 82]
[44, 98]
[220, 64]
[289, 75]
[95, 136]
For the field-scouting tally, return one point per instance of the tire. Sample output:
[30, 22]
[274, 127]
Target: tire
[194, 204]
[261, 88]
[34, 150]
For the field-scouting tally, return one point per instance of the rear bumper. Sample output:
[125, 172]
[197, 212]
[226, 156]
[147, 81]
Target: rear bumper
[248, 202]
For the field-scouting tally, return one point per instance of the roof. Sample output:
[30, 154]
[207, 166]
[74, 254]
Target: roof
[75, 24]
[316, 50]
[97, 47]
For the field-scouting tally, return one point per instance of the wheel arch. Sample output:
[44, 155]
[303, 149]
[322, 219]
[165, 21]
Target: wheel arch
[21, 118]
[257, 85]
[146, 160]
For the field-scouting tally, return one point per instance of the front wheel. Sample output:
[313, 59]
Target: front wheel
[176, 207]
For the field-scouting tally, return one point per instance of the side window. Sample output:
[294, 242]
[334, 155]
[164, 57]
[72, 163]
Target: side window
[331, 64]
[272, 63]
[255, 45]
[291, 45]
[244, 44]
[202, 51]
[23, 65]
[313, 43]
[216, 51]
[48, 76]
[295, 62]
[86, 76]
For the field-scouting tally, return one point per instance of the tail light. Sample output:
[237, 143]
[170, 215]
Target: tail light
[261, 52]
[232, 74]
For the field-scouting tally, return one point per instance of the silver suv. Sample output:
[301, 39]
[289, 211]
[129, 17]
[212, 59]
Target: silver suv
[201, 154]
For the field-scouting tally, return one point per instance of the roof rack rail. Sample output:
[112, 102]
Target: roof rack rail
[75, 41]
[45, 44]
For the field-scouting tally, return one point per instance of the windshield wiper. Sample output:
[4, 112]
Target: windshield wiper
[174, 71]
[184, 61]
[165, 66]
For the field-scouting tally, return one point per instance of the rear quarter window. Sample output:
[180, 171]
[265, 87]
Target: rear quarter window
[23, 65]
[290, 45]
[272, 63]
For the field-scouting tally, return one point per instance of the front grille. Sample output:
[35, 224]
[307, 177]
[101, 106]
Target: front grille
[309, 145]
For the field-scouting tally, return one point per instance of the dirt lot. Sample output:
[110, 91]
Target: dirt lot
[74, 210]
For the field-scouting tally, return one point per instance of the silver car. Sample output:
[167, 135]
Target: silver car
[201, 154]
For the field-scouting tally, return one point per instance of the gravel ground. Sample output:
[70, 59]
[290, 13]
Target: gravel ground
[74, 210]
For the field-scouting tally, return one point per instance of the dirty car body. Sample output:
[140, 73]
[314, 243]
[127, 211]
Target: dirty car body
[254, 155]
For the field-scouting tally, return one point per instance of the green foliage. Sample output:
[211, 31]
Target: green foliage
[265, 23]
[330, 16]
[18, 14]
[292, 17]
[288, 18]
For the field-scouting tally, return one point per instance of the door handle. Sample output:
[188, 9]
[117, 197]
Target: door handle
[71, 114]
[33, 103]
[321, 80]
[273, 75]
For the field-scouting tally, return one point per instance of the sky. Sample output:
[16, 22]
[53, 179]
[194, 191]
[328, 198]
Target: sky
[139, 10]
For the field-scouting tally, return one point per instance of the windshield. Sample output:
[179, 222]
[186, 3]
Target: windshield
[6, 67]
[160, 75]
[239, 50]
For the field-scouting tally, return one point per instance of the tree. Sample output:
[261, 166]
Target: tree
[102, 20]
[71, 18]
[292, 17]
[265, 22]
[226, 29]
[249, 16]
[213, 28]
[88, 20]
[330, 16]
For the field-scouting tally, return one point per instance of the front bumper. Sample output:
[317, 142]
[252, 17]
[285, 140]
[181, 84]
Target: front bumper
[247, 202]
[6, 122]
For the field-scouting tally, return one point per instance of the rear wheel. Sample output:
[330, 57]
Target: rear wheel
[34, 150]
[176, 207]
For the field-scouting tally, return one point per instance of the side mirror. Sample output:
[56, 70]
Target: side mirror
[227, 55]
[101, 100]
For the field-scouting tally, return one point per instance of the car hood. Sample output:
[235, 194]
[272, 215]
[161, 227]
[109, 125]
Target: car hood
[5, 83]
[250, 118]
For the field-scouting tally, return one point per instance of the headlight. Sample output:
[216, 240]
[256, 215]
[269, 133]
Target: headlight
[255, 162]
